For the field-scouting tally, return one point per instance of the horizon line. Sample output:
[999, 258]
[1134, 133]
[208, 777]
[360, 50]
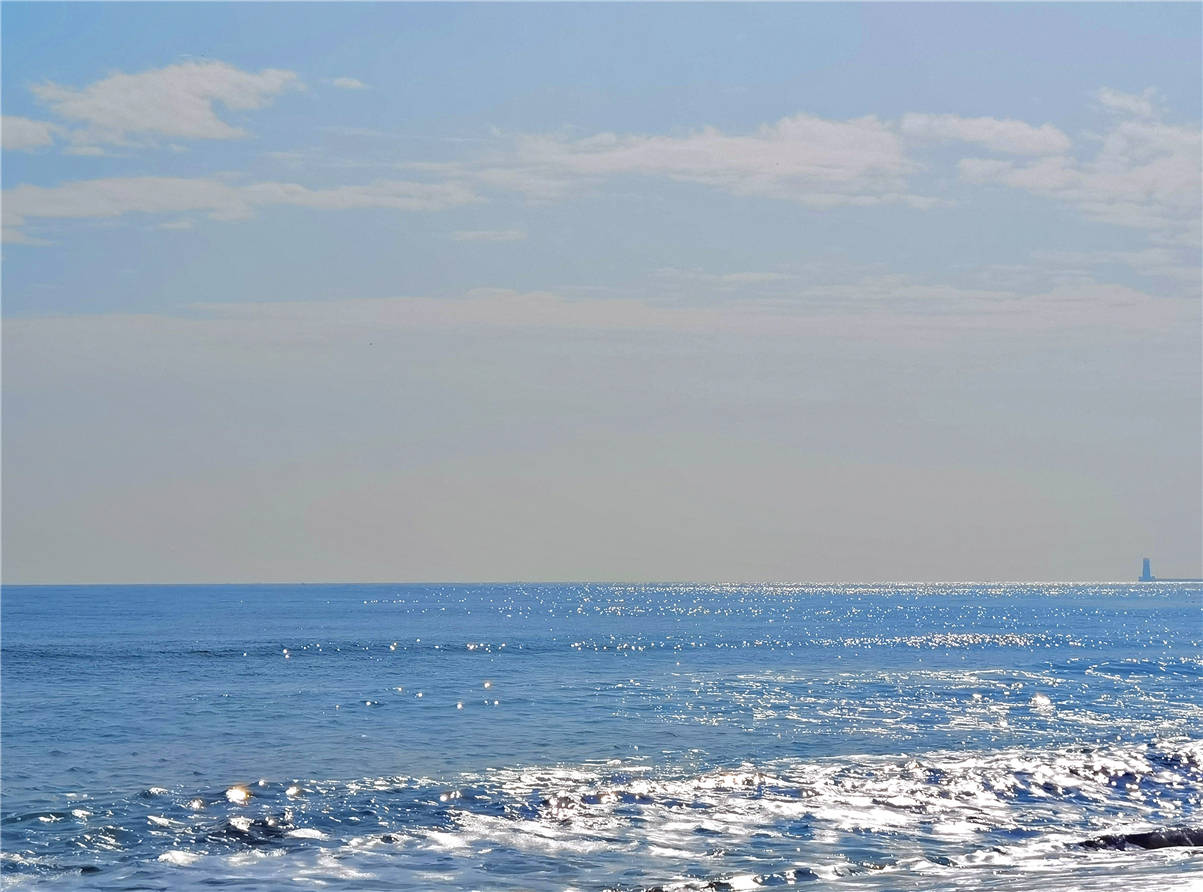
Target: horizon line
[711, 582]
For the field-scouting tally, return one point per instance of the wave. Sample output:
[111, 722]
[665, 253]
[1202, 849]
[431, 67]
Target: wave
[937, 819]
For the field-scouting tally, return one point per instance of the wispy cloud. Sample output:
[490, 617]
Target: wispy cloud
[86, 151]
[1145, 174]
[803, 158]
[177, 101]
[809, 159]
[1146, 104]
[816, 161]
[23, 134]
[1000, 135]
[348, 83]
[1140, 172]
[116, 197]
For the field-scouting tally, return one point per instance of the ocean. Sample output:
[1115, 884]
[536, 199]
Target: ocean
[602, 737]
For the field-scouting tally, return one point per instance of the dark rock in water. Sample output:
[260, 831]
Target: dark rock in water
[558, 803]
[772, 879]
[1153, 839]
[789, 877]
[257, 832]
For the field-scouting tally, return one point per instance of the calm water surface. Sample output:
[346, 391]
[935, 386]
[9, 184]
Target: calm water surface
[593, 737]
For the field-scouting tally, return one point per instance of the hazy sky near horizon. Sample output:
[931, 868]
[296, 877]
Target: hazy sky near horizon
[313, 292]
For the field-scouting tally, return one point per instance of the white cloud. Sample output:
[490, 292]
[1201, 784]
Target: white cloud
[812, 160]
[399, 195]
[22, 134]
[176, 101]
[115, 197]
[1000, 135]
[536, 184]
[1145, 174]
[489, 235]
[1145, 104]
[819, 162]
[348, 83]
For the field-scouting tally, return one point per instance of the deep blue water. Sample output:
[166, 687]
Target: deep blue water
[549, 737]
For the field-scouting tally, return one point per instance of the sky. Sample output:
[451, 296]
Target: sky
[761, 292]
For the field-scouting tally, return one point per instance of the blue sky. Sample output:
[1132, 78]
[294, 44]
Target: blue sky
[614, 291]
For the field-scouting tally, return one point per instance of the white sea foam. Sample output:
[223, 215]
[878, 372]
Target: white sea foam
[307, 833]
[179, 857]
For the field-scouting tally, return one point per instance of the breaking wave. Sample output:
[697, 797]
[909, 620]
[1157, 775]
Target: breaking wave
[1008, 819]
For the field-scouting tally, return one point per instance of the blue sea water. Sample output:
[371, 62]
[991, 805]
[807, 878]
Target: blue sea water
[601, 737]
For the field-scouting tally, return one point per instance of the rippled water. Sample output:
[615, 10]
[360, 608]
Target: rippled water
[603, 737]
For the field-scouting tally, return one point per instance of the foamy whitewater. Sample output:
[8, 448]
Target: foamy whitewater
[603, 737]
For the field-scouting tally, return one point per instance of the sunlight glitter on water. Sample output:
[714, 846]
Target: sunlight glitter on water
[675, 737]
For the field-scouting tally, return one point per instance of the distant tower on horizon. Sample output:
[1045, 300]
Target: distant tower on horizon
[1146, 573]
